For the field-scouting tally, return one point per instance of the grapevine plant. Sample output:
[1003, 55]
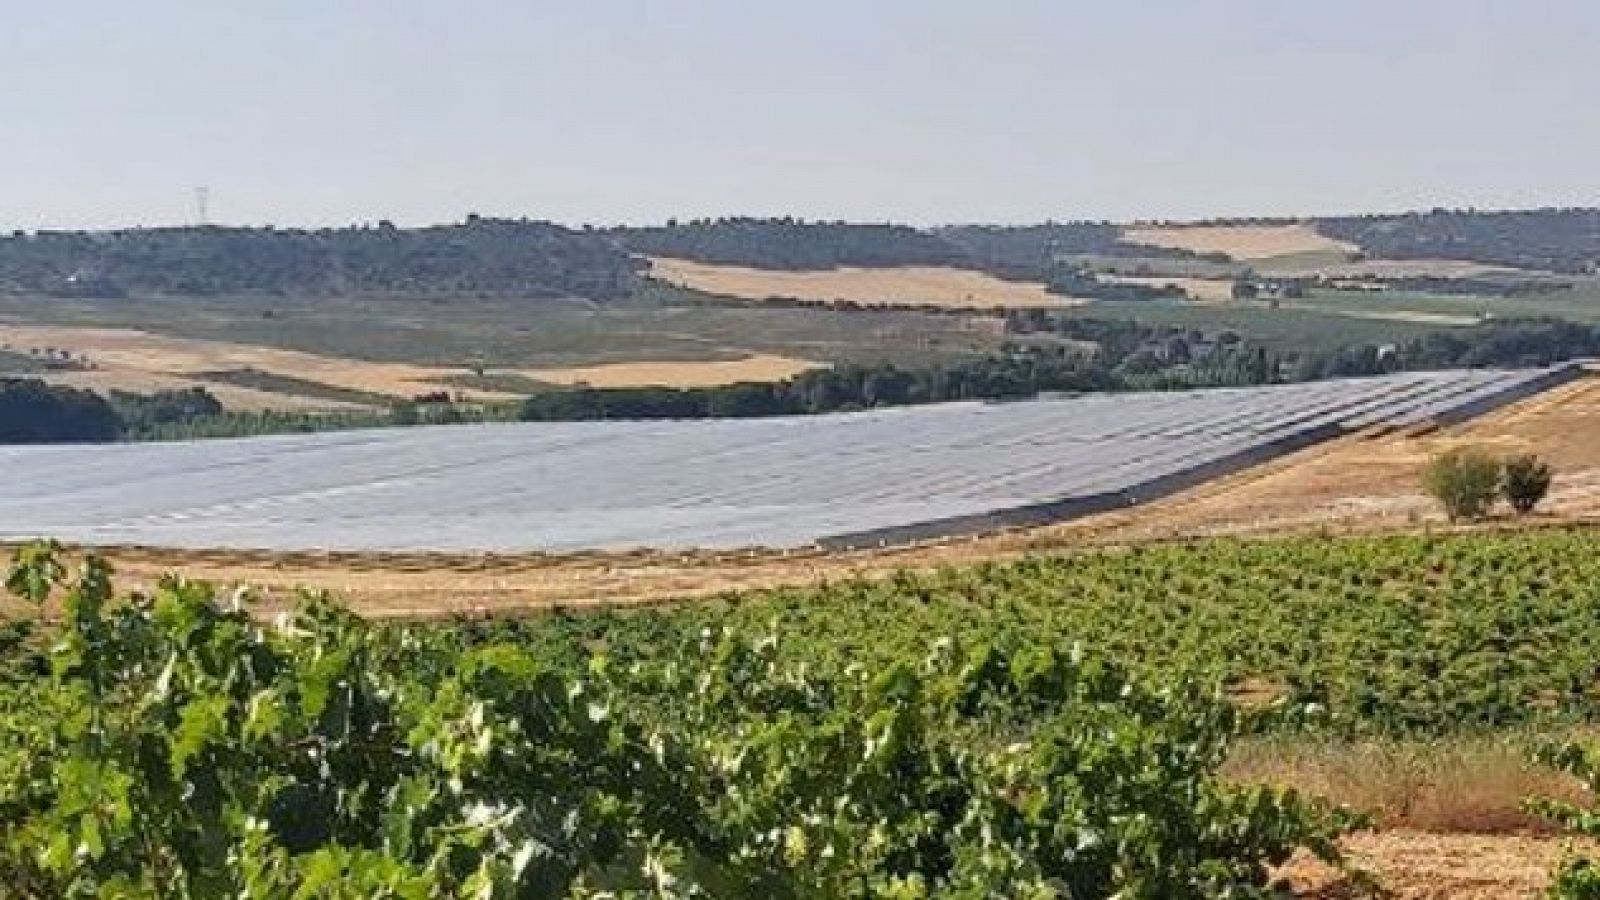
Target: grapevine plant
[170, 744]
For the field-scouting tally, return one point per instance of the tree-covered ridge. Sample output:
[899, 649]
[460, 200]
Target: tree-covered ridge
[506, 257]
[788, 243]
[1030, 252]
[1507, 344]
[1039, 252]
[33, 412]
[1558, 240]
[477, 256]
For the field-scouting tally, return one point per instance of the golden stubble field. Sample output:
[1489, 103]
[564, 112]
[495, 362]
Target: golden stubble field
[756, 367]
[1240, 242]
[902, 286]
[141, 361]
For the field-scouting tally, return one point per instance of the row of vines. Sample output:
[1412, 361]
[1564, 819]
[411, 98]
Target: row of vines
[1050, 728]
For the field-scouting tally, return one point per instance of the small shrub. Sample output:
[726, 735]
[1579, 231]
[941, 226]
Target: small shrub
[1464, 482]
[1526, 481]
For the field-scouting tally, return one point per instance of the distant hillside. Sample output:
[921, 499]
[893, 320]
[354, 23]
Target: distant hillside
[1026, 252]
[1559, 240]
[488, 256]
[792, 244]
[524, 258]
[1033, 251]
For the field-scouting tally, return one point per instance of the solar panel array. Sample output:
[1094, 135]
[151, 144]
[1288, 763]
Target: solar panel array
[779, 482]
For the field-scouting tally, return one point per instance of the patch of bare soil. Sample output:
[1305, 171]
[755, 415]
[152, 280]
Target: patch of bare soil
[901, 285]
[1241, 242]
[757, 367]
[232, 396]
[1415, 865]
[135, 357]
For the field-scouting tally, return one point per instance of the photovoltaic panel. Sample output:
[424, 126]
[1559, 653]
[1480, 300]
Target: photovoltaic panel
[851, 478]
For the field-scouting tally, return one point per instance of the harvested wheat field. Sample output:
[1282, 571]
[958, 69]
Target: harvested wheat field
[757, 367]
[906, 286]
[1240, 242]
[232, 396]
[133, 360]
[141, 355]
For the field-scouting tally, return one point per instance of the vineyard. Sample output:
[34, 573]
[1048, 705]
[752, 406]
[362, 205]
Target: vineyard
[1047, 728]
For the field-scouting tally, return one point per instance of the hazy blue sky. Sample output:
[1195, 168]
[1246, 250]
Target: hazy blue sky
[320, 111]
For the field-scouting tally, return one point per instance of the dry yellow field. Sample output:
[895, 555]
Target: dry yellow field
[130, 360]
[1240, 242]
[139, 354]
[758, 367]
[138, 361]
[908, 285]
[232, 397]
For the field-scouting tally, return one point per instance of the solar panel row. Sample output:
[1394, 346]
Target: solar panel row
[851, 478]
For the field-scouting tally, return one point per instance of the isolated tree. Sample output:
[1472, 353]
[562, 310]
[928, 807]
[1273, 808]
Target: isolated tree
[1464, 482]
[1525, 482]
